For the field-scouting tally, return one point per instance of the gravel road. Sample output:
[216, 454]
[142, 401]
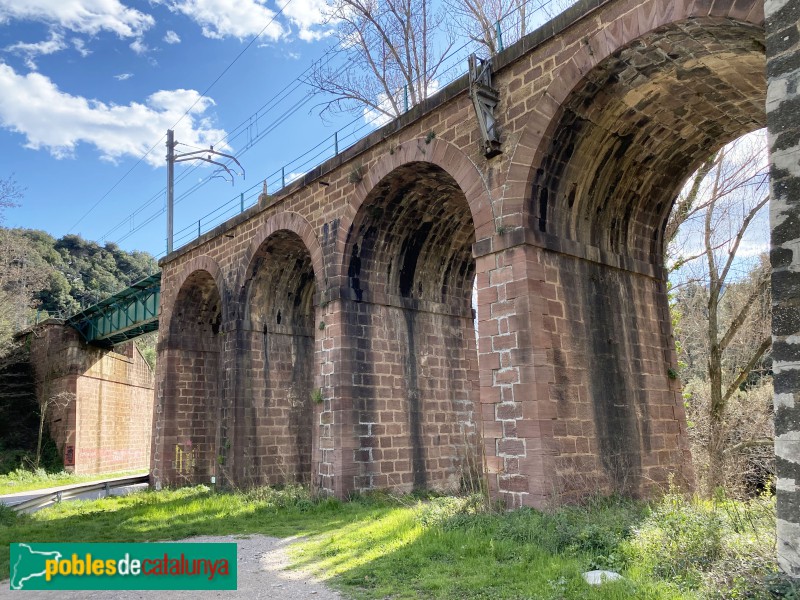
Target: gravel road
[262, 574]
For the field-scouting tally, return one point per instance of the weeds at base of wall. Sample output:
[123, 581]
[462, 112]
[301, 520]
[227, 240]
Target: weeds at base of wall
[473, 479]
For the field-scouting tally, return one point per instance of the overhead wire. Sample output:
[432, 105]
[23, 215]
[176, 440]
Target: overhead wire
[241, 128]
[267, 107]
[183, 116]
[187, 233]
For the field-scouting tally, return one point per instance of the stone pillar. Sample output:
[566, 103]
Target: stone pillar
[783, 121]
[516, 412]
[335, 445]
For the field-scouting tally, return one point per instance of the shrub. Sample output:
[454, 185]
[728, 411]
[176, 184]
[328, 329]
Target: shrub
[719, 549]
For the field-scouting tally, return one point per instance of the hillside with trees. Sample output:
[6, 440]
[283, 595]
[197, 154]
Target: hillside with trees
[41, 274]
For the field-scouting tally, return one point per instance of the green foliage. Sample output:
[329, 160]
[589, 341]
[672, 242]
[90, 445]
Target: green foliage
[22, 480]
[147, 346]
[717, 549]
[678, 541]
[7, 516]
[427, 546]
[783, 586]
[451, 548]
[80, 272]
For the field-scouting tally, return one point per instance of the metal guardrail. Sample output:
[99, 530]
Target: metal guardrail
[72, 491]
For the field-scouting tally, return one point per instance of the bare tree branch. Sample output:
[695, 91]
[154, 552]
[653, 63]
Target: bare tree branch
[750, 444]
[724, 309]
[745, 373]
[741, 316]
[394, 49]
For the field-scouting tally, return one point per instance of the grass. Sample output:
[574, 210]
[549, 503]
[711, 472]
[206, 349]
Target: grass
[22, 480]
[380, 546]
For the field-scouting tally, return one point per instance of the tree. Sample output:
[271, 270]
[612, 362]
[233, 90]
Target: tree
[18, 276]
[10, 192]
[487, 22]
[715, 257]
[393, 49]
[57, 402]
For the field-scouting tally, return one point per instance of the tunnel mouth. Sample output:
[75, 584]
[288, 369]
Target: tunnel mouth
[639, 124]
[409, 332]
[193, 362]
[274, 412]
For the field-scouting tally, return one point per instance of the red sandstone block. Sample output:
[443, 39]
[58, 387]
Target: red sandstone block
[506, 376]
[510, 447]
[504, 341]
[513, 483]
[508, 410]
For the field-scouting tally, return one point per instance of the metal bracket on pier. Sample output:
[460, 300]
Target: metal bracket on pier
[484, 99]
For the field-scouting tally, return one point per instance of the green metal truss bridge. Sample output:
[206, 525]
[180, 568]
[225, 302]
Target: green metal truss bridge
[124, 316]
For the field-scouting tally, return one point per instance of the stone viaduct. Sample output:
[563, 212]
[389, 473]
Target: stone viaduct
[326, 335]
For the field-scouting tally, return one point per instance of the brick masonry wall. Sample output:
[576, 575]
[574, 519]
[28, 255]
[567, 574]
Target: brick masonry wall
[189, 352]
[603, 113]
[412, 400]
[106, 427]
[274, 412]
[620, 422]
[783, 118]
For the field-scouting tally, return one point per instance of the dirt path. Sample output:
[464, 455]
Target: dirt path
[262, 574]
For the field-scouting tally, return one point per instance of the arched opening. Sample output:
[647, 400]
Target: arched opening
[718, 260]
[409, 326]
[624, 142]
[274, 412]
[639, 124]
[192, 384]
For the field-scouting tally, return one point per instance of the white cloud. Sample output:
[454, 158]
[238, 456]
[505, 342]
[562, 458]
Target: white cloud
[50, 119]
[308, 16]
[31, 50]
[123, 76]
[139, 47]
[293, 176]
[84, 16]
[230, 18]
[172, 38]
[80, 47]
[379, 118]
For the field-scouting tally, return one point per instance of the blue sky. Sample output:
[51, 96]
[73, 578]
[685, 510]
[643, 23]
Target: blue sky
[88, 86]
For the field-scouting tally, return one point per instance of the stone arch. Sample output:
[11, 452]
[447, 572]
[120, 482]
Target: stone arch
[199, 263]
[190, 358]
[274, 428]
[443, 155]
[289, 221]
[626, 120]
[659, 45]
[407, 323]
